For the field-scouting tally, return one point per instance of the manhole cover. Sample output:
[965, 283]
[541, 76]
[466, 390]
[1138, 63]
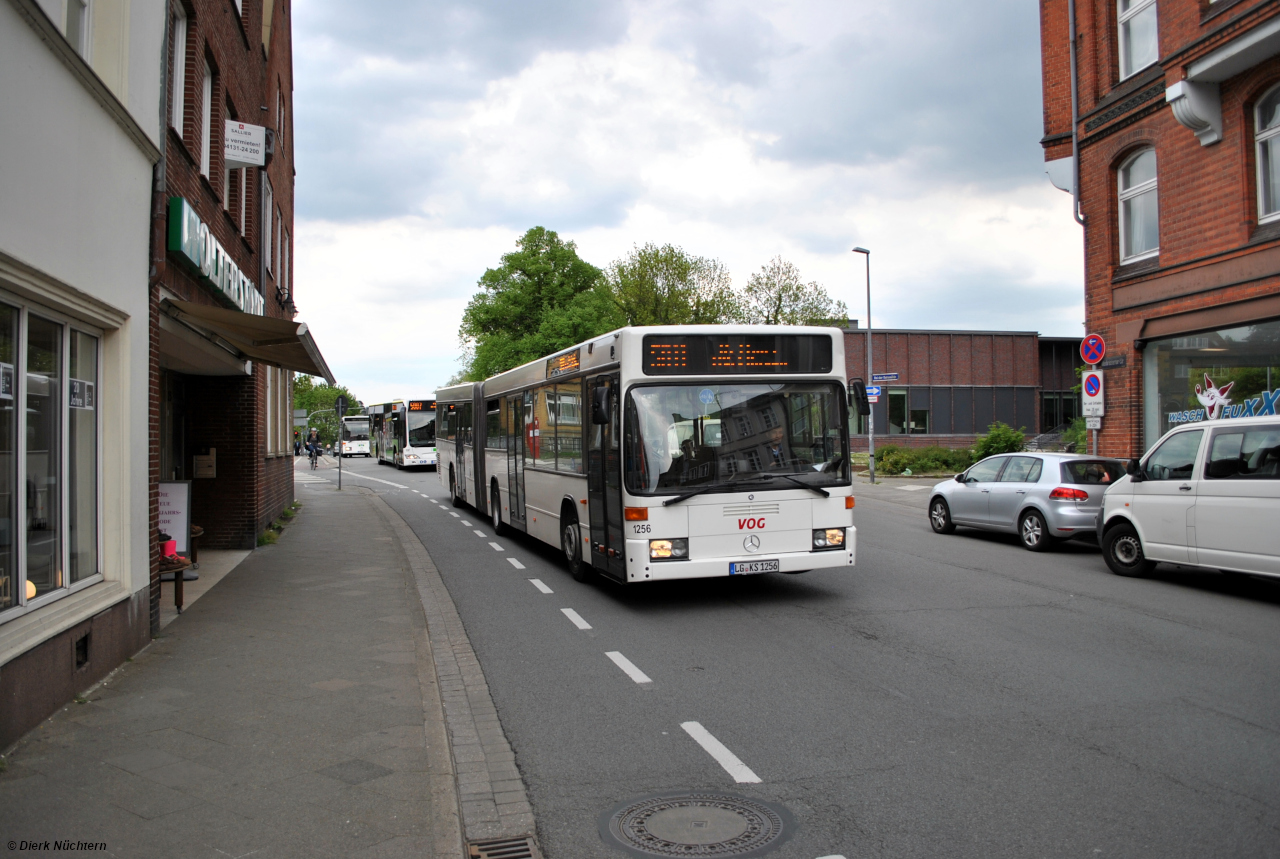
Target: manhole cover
[692, 823]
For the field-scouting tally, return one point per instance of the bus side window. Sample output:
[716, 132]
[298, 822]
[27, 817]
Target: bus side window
[569, 427]
[493, 424]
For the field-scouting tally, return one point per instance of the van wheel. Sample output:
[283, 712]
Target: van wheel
[940, 517]
[495, 509]
[1122, 550]
[580, 570]
[1034, 532]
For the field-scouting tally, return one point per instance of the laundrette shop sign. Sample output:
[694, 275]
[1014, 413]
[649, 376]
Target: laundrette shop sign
[191, 239]
[1218, 404]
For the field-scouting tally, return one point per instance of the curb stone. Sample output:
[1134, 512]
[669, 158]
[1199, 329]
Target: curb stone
[489, 790]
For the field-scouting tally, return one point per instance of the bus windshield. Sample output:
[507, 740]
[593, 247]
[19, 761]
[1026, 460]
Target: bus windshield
[355, 429]
[721, 436]
[422, 429]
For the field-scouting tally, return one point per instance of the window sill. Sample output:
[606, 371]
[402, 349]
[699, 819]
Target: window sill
[1135, 268]
[35, 626]
[1265, 232]
[1216, 9]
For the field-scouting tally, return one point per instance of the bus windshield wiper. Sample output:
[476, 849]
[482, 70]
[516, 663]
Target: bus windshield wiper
[797, 481]
[686, 496]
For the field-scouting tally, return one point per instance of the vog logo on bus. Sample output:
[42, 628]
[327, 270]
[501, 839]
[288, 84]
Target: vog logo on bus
[750, 524]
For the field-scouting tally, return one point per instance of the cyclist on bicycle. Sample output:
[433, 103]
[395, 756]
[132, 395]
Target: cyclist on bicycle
[313, 447]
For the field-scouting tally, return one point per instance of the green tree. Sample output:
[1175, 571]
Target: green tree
[543, 297]
[776, 295]
[316, 395]
[668, 286]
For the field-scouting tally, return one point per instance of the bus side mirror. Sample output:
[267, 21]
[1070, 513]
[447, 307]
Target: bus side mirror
[600, 404]
[858, 390]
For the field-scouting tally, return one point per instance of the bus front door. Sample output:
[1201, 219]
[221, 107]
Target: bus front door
[604, 483]
[517, 407]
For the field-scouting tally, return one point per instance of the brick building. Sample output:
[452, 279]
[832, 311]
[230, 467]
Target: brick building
[223, 331]
[1172, 151]
[950, 386]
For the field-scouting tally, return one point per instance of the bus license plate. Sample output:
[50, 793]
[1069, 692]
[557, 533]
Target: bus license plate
[746, 568]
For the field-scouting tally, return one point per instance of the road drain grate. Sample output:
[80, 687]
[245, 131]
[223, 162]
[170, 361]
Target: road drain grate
[502, 848]
[693, 823]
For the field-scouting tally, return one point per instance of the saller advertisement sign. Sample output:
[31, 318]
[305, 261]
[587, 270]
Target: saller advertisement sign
[189, 237]
[244, 145]
[1217, 404]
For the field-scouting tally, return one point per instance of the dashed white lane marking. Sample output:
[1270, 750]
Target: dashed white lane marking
[833, 856]
[455, 515]
[537, 583]
[576, 618]
[911, 488]
[727, 759]
[465, 522]
[516, 564]
[479, 533]
[497, 548]
[375, 479]
[628, 667]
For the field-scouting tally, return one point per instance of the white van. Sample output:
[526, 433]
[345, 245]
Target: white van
[1207, 494]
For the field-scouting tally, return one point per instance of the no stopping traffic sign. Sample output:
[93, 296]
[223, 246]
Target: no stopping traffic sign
[1092, 349]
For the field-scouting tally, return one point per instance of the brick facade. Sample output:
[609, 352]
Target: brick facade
[1216, 267]
[250, 57]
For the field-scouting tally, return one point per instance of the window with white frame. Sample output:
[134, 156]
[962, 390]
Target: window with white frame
[284, 264]
[1139, 35]
[206, 121]
[77, 29]
[268, 208]
[279, 227]
[177, 97]
[271, 410]
[49, 457]
[1139, 207]
[1267, 139]
[244, 195]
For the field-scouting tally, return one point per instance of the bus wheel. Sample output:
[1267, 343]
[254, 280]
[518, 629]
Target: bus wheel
[453, 490]
[580, 571]
[495, 509]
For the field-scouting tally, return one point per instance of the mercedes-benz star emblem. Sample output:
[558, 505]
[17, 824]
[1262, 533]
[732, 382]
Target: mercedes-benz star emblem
[752, 543]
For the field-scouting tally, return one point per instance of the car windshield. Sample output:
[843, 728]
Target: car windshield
[1091, 472]
[714, 437]
[355, 430]
[422, 429]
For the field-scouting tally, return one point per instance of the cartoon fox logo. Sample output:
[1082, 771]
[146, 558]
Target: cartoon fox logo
[1213, 398]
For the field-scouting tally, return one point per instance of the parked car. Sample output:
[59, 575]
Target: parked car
[1207, 494]
[1041, 497]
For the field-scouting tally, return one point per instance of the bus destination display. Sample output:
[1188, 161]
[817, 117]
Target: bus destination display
[422, 405]
[561, 364]
[735, 354]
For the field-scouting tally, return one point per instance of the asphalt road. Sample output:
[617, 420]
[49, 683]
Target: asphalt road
[948, 696]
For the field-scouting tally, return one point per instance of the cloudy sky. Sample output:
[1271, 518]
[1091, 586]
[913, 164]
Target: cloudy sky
[430, 135]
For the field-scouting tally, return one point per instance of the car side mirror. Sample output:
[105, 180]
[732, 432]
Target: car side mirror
[960, 478]
[858, 391]
[1135, 472]
[600, 404]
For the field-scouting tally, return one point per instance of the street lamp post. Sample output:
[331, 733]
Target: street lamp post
[871, 418]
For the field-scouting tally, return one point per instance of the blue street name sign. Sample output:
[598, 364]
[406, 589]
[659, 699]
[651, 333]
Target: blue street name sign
[884, 377]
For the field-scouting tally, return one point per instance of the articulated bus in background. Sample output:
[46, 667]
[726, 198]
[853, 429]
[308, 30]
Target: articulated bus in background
[665, 453]
[355, 435]
[403, 432]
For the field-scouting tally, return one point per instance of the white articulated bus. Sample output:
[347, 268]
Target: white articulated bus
[355, 436]
[403, 432]
[665, 452]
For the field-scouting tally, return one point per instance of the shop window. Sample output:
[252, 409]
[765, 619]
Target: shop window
[49, 519]
[1139, 208]
[1139, 35]
[898, 417]
[1267, 141]
[1224, 374]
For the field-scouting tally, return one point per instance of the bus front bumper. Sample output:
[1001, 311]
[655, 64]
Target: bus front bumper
[640, 569]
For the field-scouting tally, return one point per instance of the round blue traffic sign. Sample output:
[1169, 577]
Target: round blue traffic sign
[707, 396]
[1092, 384]
[1092, 349]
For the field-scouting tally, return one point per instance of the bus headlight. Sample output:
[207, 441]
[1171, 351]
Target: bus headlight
[669, 550]
[828, 538]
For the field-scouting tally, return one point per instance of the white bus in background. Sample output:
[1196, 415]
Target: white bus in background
[665, 452]
[403, 432]
[355, 436]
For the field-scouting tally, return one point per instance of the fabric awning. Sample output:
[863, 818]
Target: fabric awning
[279, 342]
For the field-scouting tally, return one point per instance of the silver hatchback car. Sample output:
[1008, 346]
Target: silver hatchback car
[1041, 497]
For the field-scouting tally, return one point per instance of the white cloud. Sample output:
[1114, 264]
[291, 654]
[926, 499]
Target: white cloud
[652, 136]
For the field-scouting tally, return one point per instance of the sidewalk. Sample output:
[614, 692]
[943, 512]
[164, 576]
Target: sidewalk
[292, 711]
